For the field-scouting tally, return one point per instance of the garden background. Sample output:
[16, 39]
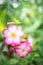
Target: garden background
[28, 15]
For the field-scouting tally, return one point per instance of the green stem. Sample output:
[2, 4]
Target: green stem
[1, 49]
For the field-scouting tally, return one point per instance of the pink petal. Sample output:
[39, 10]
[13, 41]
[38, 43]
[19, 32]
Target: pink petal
[28, 48]
[23, 45]
[24, 54]
[20, 33]
[17, 40]
[11, 49]
[30, 40]
[12, 29]
[20, 54]
[8, 41]
[13, 44]
[6, 33]
[18, 51]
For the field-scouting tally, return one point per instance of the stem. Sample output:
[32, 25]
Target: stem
[1, 49]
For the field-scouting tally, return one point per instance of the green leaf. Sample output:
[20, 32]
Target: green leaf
[13, 61]
[16, 22]
[5, 49]
[3, 14]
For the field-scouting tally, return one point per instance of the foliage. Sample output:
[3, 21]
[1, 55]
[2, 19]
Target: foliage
[28, 15]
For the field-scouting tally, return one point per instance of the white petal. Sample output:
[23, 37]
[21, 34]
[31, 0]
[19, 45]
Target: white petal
[12, 29]
[17, 40]
[8, 41]
[20, 33]
[23, 46]
[6, 33]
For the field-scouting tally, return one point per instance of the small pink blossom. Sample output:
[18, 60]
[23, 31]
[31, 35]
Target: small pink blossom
[11, 49]
[30, 40]
[23, 49]
[12, 35]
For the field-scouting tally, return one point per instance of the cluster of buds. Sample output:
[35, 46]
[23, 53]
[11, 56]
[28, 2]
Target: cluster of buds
[13, 37]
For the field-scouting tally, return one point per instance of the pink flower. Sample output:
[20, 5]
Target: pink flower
[23, 49]
[11, 49]
[30, 40]
[12, 35]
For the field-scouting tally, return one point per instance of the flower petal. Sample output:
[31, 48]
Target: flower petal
[8, 41]
[20, 33]
[6, 33]
[30, 40]
[24, 54]
[18, 52]
[17, 40]
[11, 49]
[23, 49]
[23, 45]
[28, 48]
[12, 29]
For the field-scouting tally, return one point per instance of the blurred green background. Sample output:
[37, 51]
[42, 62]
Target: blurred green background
[28, 15]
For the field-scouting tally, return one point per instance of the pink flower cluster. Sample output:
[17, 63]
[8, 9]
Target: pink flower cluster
[13, 37]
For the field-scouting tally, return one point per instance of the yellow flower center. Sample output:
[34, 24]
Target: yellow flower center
[23, 50]
[13, 35]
